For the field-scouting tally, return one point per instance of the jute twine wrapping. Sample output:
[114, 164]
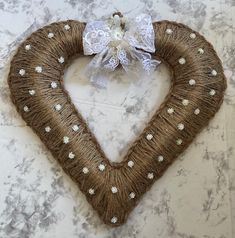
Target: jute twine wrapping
[45, 52]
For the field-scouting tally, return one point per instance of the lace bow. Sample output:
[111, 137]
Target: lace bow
[116, 41]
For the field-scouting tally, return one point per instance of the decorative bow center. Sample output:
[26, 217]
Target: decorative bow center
[116, 41]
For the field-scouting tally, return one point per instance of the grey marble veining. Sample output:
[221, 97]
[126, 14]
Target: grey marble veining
[196, 196]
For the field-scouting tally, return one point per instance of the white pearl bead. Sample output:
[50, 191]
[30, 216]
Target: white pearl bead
[114, 189]
[27, 47]
[85, 170]
[160, 158]
[114, 220]
[213, 72]
[91, 191]
[170, 110]
[22, 72]
[185, 102]
[179, 141]
[130, 163]
[38, 69]
[149, 137]
[61, 60]
[65, 139]
[50, 35]
[75, 128]
[53, 84]
[117, 35]
[71, 155]
[66, 27]
[180, 126]
[182, 60]
[32, 92]
[58, 107]
[169, 31]
[212, 92]
[150, 176]
[200, 51]
[192, 82]
[47, 129]
[26, 108]
[132, 195]
[192, 35]
[101, 167]
[116, 19]
[196, 111]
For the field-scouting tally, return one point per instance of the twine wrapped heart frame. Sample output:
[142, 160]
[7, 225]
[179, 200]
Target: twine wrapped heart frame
[114, 189]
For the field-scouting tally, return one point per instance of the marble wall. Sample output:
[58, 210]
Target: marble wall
[196, 196]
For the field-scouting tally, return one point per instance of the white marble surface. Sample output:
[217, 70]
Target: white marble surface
[196, 196]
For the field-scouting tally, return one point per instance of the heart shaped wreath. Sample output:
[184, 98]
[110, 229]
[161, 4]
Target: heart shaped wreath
[114, 189]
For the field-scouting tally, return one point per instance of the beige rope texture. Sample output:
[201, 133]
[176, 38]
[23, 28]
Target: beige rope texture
[115, 188]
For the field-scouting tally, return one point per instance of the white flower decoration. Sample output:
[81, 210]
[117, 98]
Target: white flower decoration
[213, 72]
[212, 92]
[26, 108]
[47, 129]
[132, 195]
[182, 60]
[130, 163]
[61, 60]
[91, 191]
[32, 92]
[114, 220]
[114, 189]
[179, 141]
[169, 31]
[160, 158]
[71, 155]
[180, 126]
[192, 82]
[28, 47]
[149, 137]
[185, 102]
[22, 72]
[38, 69]
[170, 110]
[58, 107]
[101, 167]
[53, 84]
[200, 51]
[85, 170]
[196, 111]
[150, 175]
[75, 128]
[192, 36]
[65, 139]
[50, 35]
[66, 27]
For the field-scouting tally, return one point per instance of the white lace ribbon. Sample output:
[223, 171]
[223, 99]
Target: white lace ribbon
[119, 42]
